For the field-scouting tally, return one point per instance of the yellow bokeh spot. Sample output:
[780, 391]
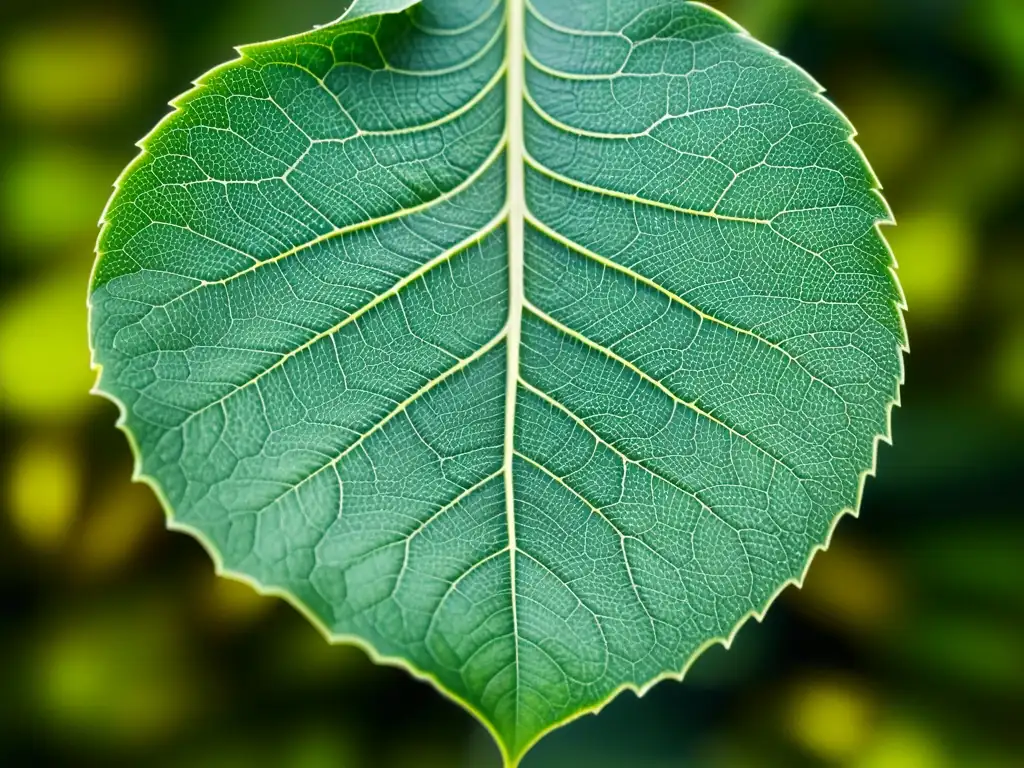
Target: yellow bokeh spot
[1009, 374]
[51, 198]
[115, 528]
[848, 588]
[891, 129]
[936, 253]
[44, 489]
[44, 351]
[234, 603]
[114, 675]
[903, 745]
[72, 70]
[831, 719]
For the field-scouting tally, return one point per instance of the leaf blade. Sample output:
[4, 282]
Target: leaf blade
[328, 393]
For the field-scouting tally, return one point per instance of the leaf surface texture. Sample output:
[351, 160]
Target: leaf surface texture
[533, 347]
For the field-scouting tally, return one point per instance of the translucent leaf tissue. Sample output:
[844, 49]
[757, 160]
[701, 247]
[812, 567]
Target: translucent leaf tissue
[532, 346]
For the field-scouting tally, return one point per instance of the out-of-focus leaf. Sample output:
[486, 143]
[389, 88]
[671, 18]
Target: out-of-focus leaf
[49, 196]
[937, 253]
[115, 529]
[74, 69]
[44, 489]
[44, 356]
[830, 718]
[850, 587]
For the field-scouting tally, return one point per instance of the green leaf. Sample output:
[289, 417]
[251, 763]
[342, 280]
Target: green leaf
[532, 348]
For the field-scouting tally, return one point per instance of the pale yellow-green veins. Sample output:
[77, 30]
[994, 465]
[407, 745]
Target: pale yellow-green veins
[531, 345]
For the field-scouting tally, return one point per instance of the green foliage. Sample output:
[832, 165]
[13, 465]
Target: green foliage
[532, 348]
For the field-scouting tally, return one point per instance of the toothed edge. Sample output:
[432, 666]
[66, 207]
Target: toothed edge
[509, 760]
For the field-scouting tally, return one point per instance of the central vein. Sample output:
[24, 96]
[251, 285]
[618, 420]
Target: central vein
[516, 189]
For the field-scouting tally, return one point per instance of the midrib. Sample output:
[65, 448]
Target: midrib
[516, 190]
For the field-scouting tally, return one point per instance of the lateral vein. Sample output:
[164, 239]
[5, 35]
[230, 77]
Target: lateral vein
[586, 341]
[397, 411]
[553, 402]
[605, 192]
[367, 224]
[653, 284]
[391, 292]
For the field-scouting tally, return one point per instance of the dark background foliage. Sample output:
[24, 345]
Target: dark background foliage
[905, 650]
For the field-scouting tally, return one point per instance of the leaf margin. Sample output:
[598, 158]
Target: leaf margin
[509, 759]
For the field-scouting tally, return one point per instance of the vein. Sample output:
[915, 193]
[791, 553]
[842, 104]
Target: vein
[660, 386]
[366, 224]
[439, 32]
[602, 441]
[455, 585]
[674, 297]
[462, 65]
[407, 540]
[398, 410]
[393, 291]
[599, 513]
[605, 192]
[516, 191]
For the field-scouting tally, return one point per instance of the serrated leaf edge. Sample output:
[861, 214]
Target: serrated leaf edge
[509, 760]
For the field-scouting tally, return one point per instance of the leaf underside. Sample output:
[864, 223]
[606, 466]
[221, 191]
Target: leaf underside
[533, 348]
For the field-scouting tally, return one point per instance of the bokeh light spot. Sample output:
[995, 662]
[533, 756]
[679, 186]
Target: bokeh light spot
[830, 719]
[51, 199]
[44, 352]
[72, 70]
[935, 250]
[43, 491]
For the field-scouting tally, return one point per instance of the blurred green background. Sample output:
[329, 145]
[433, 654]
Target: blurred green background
[906, 649]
